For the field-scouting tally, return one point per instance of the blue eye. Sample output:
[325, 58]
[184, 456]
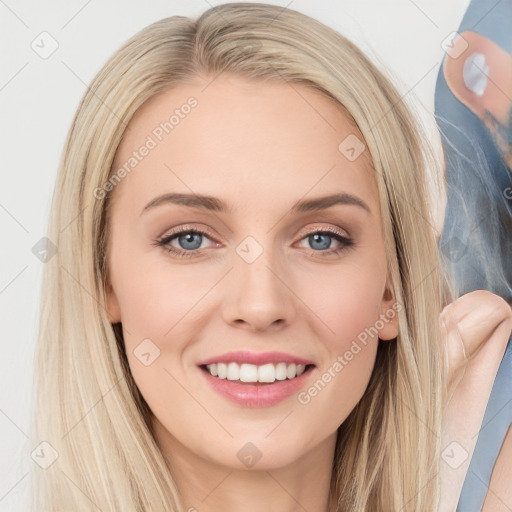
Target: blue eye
[322, 240]
[320, 237]
[190, 241]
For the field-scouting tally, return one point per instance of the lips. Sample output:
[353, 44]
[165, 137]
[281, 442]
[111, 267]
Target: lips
[257, 394]
[255, 358]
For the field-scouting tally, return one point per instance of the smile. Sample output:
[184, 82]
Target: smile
[272, 389]
[266, 373]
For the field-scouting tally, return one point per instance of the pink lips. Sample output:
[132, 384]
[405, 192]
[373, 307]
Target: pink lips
[241, 357]
[257, 394]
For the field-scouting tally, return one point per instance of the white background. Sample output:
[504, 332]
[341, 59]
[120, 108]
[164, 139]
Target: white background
[38, 98]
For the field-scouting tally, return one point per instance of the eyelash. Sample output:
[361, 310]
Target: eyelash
[165, 241]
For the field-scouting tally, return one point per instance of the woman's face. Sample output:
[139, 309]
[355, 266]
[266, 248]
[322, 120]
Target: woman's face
[255, 279]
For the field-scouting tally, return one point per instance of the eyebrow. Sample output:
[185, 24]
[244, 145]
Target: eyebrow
[215, 204]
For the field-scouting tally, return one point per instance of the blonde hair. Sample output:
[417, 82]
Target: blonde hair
[88, 406]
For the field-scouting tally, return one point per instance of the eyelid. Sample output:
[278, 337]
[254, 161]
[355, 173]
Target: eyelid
[329, 229]
[185, 228]
[165, 241]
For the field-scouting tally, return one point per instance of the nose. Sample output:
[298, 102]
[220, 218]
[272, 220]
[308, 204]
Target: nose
[259, 297]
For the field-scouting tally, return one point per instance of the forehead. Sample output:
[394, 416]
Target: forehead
[243, 141]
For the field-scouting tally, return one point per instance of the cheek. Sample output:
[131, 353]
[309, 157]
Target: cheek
[348, 305]
[154, 300]
[161, 309]
[347, 300]
[170, 306]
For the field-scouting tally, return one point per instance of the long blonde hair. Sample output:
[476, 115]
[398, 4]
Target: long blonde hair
[88, 407]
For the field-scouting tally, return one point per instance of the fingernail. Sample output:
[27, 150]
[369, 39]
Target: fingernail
[475, 73]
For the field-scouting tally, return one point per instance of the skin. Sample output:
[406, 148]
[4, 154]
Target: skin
[288, 299]
[260, 148]
[496, 99]
[481, 321]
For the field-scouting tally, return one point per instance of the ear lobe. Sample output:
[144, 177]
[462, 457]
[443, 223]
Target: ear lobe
[387, 324]
[112, 305]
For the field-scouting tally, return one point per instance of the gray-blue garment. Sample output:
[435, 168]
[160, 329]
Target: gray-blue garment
[476, 241]
[496, 422]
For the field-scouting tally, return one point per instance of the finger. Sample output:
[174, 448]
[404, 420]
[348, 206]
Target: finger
[473, 318]
[479, 314]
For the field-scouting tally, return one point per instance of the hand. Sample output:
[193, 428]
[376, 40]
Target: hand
[481, 321]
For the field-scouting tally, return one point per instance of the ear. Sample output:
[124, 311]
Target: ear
[388, 319]
[112, 305]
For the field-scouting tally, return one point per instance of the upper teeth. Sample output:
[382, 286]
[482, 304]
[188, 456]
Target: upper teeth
[252, 373]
